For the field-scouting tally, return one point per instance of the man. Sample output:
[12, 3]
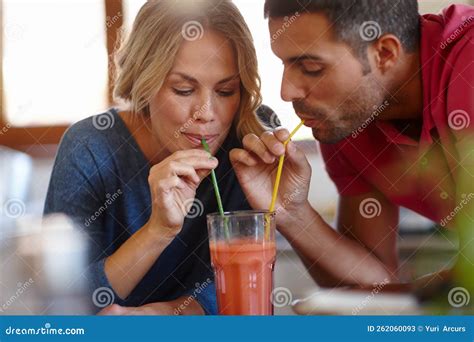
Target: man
[389, 95]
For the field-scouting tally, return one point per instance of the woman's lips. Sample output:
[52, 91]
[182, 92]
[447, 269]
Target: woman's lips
[195, 139]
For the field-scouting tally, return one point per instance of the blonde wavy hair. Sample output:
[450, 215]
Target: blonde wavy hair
[144, 58]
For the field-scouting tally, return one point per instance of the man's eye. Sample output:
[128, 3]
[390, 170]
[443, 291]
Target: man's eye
[310, 69]
[183, 92]
[312, 73]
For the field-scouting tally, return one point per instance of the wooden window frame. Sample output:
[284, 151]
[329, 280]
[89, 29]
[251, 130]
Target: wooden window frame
[42, 140]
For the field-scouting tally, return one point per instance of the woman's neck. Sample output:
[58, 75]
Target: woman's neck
[140, 129]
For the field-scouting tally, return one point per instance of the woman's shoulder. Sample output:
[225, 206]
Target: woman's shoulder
[97, 131]
[101, 142]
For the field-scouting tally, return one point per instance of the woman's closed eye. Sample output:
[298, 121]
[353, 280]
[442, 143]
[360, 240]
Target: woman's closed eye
[183, 92]
[226, 92]
[186, 91]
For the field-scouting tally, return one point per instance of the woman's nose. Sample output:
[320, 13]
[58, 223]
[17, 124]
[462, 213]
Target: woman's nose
[205, 112]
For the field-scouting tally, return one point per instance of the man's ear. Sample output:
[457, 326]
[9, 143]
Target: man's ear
[385, 52]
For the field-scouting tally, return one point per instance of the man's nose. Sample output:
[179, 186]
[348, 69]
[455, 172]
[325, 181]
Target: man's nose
[291, 89]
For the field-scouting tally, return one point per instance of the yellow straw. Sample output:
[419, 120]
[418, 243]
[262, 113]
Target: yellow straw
[280, 168]
[278, 176]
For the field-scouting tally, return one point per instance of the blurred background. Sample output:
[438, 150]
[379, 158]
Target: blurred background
[56, 70]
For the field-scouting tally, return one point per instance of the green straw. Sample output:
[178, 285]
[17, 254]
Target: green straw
[216, 190]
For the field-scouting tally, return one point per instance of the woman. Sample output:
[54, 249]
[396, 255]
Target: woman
[136, 180]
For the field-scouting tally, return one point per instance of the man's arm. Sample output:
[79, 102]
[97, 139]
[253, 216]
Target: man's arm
[362, 251]
[331, 257]
[371, 220]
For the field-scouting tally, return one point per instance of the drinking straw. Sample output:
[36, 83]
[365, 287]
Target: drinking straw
[216, 190]
[278, 177]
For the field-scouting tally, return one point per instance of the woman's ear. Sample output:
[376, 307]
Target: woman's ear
[385, 52]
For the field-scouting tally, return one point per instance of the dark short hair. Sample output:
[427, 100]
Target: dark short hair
[351, 17]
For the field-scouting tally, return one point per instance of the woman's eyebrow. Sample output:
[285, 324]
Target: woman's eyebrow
[186, 77]
[230, 78]
[195, 81]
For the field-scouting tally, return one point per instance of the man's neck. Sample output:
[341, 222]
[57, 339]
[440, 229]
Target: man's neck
[406, 98]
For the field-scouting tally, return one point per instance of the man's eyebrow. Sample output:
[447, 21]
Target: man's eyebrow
[193, 80]
[303, 58]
